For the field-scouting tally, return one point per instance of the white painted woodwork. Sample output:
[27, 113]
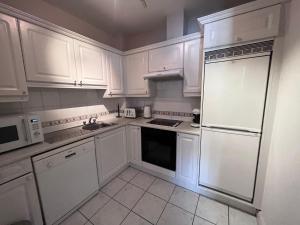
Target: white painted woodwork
[234, 93]
[166, 58]
[111, 153]
[136, 65]
[260, 24]
[19, 201]
[193, 64]
[134, 145]
[66, 177]
[228, 161]
[90, 64]
[187, 158]
[116, 77]
[12, 74]
[49, 56]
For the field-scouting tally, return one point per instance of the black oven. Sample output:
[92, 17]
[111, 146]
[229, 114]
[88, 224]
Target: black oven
[159, 147]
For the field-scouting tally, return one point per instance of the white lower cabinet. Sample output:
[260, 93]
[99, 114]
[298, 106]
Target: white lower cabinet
[18, 194]
[111, 153]
[134, 148]
[187, 158]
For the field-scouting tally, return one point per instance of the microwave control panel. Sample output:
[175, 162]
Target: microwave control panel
[35, 128]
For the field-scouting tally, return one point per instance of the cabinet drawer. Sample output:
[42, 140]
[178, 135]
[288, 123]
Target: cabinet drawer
[15, 170]
[250, 26]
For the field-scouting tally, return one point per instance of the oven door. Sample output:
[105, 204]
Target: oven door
[159, 148]
[13, 133]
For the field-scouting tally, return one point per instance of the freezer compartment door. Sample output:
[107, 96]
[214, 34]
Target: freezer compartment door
[228, 162]
[234, 93]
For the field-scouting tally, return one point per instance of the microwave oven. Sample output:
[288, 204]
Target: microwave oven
[19, 130]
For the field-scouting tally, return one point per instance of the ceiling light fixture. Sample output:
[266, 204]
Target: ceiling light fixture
[144, 3]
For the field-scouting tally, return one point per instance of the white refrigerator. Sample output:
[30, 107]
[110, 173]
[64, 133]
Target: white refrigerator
[233, 104]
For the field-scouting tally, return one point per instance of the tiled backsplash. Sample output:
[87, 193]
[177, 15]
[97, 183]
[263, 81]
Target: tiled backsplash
[64, 108]
[168, 101]
[48, 98]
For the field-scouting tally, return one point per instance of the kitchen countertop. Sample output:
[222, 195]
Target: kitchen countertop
[29, 151]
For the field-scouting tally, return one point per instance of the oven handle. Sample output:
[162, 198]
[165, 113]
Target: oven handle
[24, 130]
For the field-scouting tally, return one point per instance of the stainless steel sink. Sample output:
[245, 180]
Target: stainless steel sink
[96, 126]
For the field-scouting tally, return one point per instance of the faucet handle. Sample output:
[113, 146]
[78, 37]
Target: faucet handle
[84, 122]
[94, 120]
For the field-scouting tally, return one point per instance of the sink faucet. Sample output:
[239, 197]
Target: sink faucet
[94, 118]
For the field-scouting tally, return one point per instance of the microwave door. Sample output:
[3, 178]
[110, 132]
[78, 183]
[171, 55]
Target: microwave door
[235, 92]
[13, 134]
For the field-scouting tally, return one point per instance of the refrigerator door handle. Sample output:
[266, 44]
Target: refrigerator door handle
[234, 128]
[231, 131]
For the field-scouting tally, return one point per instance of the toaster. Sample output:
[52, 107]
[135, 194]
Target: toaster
[129, 113]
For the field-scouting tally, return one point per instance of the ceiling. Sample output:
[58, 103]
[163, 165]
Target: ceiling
[130, 16]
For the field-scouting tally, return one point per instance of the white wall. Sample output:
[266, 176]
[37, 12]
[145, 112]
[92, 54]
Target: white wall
[59, 17]
[41, 99]
[281, 201]
[168, 97]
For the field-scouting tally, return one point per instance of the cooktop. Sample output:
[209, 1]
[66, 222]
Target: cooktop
[165, 122]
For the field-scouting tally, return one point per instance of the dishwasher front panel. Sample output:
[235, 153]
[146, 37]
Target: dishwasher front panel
[66, 179]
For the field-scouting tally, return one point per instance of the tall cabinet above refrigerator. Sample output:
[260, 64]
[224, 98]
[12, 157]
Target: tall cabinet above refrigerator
[234, 95]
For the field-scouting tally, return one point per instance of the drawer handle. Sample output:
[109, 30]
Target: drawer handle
[70, 155]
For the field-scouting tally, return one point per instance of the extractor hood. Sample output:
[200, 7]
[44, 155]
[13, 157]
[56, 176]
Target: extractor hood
[165, 75]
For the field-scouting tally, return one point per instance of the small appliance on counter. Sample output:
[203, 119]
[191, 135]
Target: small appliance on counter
[17, 131]
[130, 113]
[196, 118]
[147, 112]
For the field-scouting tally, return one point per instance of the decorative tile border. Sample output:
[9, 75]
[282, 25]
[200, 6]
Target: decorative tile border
[73, 119]
[260, 47]
[85, 117]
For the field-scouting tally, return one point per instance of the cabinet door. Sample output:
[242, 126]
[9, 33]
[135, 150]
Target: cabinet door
[116, 82]
[188, 150]
[228, 161]
[111, 153]
[134, 144]
[166, 58]
[193, 66]
[136, 65]
[89, 64]
[49, 56]
[12, 75]
[260, 24]
[19, 201]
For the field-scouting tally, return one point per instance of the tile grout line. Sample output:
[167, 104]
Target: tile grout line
[196, 209]
[131, 210]
[166, 204]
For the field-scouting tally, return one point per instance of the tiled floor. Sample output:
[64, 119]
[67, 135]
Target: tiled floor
[137, 198]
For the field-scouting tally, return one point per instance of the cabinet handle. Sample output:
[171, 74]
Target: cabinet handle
[24, 92]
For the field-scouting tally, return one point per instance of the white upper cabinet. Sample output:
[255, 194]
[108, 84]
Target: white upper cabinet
[116, 78]
[48, 56]
[260, 24]
[136, 65]
[90, 64]
[188, 150]
[12, 75]
[193, 63]
[166, 58]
